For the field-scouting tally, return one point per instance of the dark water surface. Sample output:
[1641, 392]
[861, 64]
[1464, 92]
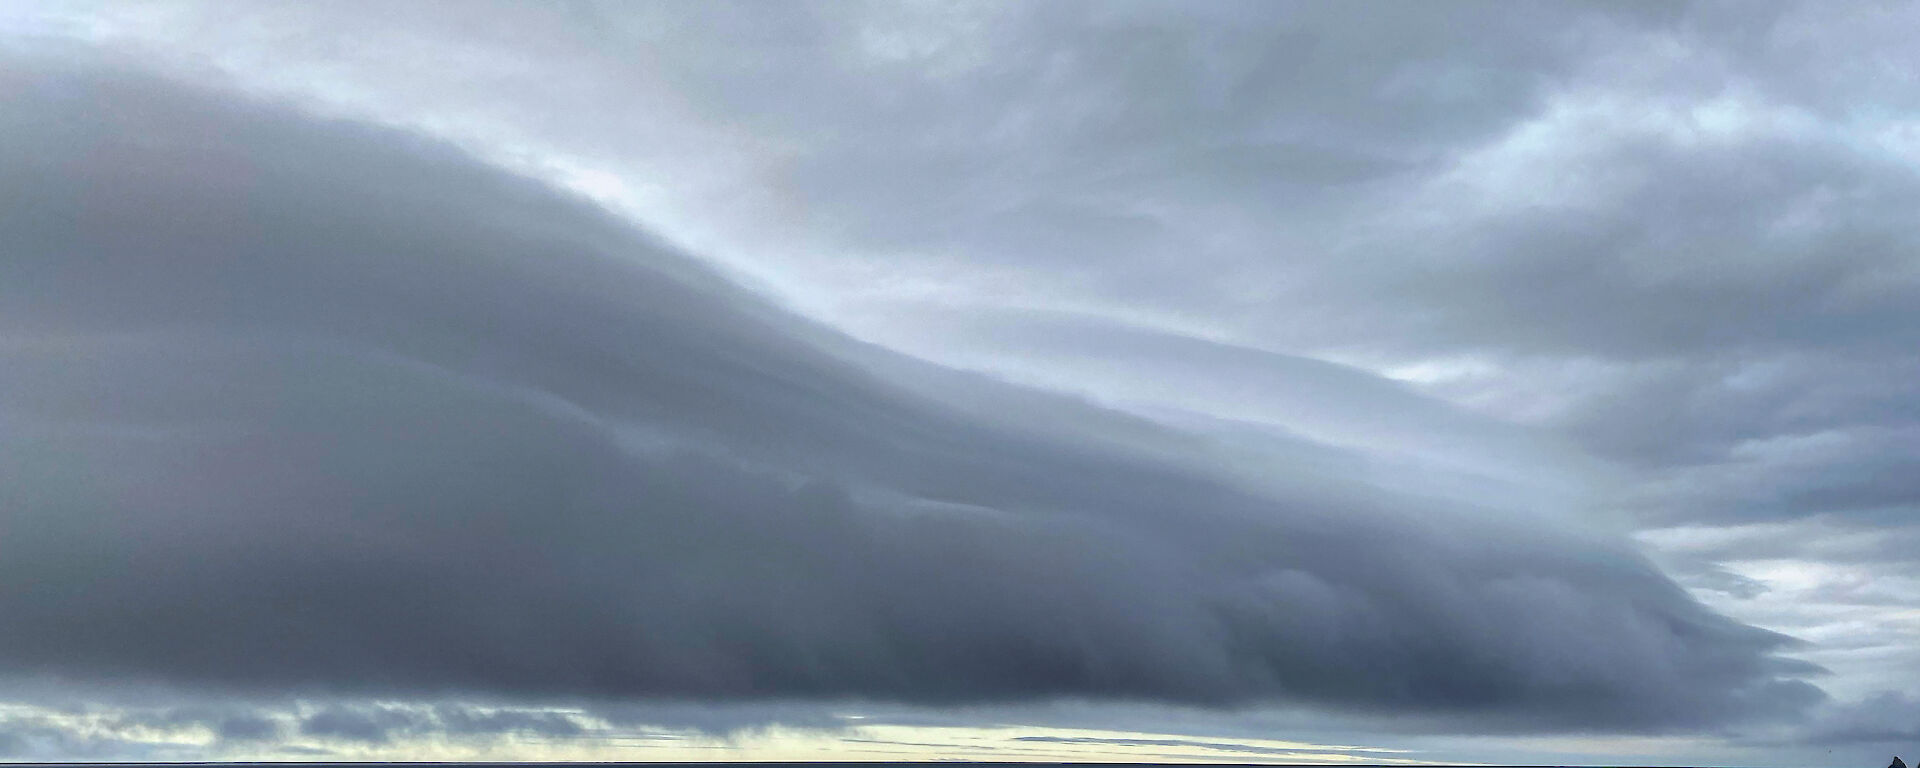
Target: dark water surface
[730, 764]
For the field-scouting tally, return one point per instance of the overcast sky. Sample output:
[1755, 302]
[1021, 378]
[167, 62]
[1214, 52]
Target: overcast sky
[1527, 382]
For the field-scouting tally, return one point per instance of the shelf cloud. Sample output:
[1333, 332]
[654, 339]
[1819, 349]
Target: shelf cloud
[299, 403]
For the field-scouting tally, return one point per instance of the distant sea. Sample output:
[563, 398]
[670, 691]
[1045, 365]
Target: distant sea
[730, 764]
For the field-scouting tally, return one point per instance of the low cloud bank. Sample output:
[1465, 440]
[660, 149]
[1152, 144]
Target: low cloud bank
[296, 403]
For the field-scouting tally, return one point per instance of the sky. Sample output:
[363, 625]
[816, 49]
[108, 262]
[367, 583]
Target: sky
[1284, 382]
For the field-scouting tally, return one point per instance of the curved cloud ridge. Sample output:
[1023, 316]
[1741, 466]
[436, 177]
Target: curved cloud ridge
[297, 402]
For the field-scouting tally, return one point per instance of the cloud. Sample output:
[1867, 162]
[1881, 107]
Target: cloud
[1302, 752]
[248, 728]
[383, 723]
[376, 724]
[1673, 235]
[300, 403]
[1890, 717]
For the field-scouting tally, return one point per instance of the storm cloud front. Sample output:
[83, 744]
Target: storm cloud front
[299, 402]
[319, 423]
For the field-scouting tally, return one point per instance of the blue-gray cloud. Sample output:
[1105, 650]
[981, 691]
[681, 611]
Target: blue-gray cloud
[298, 403]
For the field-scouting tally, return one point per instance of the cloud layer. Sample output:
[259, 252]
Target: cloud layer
[291, 402]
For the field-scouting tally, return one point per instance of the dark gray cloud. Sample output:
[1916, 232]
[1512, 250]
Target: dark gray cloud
[384, 723]
[301, 403]
[380, 724]
[247, 728]
[375, 724]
